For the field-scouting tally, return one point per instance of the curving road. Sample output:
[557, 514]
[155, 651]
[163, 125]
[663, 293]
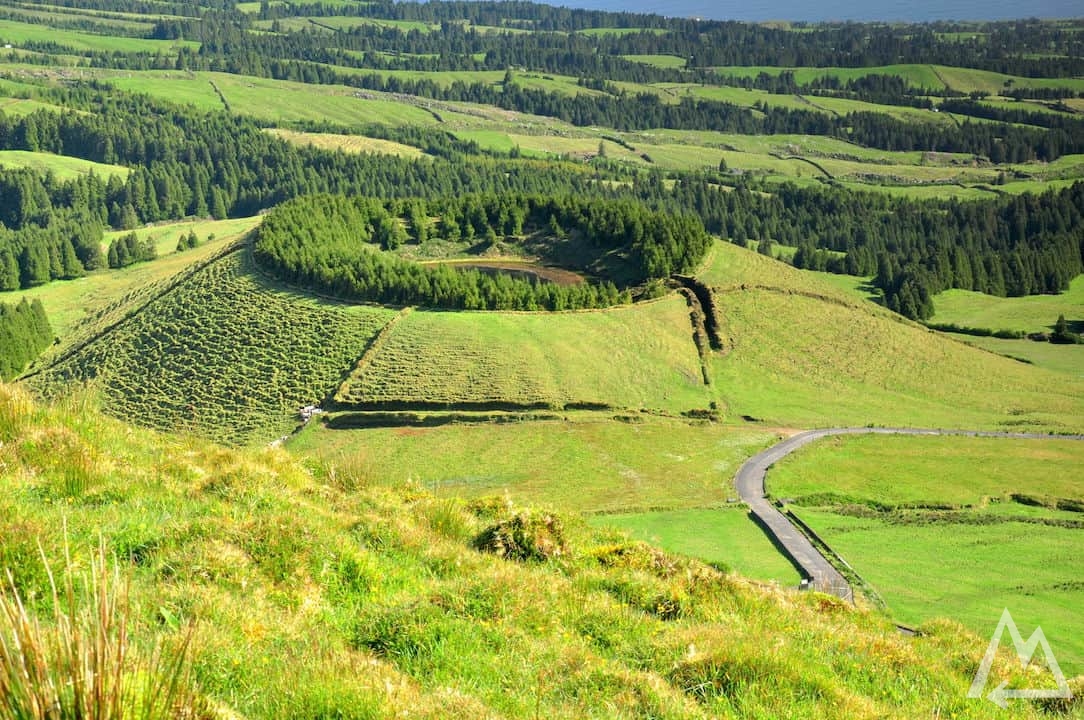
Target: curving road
[814, 566]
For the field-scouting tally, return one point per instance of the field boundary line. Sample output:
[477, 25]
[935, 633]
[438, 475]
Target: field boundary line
[170, 285]
[375, 345]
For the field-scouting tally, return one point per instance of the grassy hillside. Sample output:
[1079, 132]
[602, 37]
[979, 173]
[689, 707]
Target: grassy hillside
[792, 359]
[311, 601]
[222, 354]
[633, 357]
[63, 167]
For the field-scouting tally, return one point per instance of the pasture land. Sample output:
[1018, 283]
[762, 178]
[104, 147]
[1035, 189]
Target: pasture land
[972, 550]
[1033, 313]
[950, 471]
[969, 571]
[348, 143]
[224, 355]
[632, 357]
[1067, 359]
[17, 33]
[62, 166]
[589, 463]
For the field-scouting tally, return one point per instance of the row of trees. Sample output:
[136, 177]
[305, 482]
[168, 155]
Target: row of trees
[326, 243]
[24, 333]
[129, 249]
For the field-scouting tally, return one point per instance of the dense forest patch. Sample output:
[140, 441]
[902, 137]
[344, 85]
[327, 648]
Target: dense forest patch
[330, 244]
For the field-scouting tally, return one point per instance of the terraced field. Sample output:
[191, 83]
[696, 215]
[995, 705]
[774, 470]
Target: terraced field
[223, 354]
[632, 357]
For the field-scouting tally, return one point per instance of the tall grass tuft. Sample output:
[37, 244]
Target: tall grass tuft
[82, 662]
[16, 409]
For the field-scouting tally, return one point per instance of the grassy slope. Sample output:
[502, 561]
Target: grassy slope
[223, 354]
[630, 357]
[1067, 359]
[348, 143]
[65, 168]
[309, 601]
[791, 359]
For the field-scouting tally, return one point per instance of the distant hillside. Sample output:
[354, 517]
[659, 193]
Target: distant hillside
[311, 599]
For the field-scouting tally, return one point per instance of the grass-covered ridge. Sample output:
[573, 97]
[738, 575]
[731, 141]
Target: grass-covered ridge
[317, 599]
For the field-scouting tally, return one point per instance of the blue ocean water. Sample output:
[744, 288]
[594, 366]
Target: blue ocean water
[822, 10]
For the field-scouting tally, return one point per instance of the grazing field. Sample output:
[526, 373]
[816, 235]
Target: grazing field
[969, 571]
[1033, 313]
[17, 33]
[974, 550]
[348, 143]
[63, 167]
[952, 471]
[71, 302]
[716, 535]
[272, 100]
[1067, 359]
[663, 61]
[637, 357]
[589, 464]
[222, 355]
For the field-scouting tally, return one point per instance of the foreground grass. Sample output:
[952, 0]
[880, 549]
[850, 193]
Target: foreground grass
[309, 600]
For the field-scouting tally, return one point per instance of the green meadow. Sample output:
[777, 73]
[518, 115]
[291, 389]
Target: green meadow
[64, 168]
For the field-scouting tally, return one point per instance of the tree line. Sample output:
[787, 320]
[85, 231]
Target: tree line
[329, 243]
[24, 333]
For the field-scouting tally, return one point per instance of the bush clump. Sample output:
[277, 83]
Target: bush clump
[525, 536]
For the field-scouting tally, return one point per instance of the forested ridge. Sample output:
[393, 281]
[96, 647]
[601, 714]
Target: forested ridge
[326, 243]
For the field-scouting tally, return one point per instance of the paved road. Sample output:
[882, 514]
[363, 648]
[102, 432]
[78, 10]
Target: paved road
[750, 484]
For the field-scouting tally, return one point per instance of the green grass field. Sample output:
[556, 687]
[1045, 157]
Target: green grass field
[969, 564]
[790, 360]
[17, 33]
[663, 61]
[1033, 313]
[721, 535]
[348, 143]
[958, 471]
[589, 464]
[627, 357]
[970, 572]
[1067, 359]
[224, 355]
[63, 167]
